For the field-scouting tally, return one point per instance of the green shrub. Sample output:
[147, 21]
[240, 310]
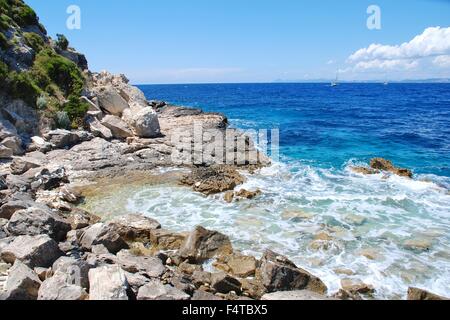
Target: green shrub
[62, 42]
[62, 120]
[4, 44]
[3, 73]
[41, 102]
[5, 22]
[63, 72]
[34, 41]
[23, 15]
[21, 86]
[75, 108]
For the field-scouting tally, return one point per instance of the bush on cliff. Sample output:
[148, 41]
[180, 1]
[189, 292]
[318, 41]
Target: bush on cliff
[62, 42]
[34, 41]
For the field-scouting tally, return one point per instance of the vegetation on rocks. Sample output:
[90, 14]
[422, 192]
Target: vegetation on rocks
[50, 78]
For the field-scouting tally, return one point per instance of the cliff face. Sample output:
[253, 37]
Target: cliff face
[41, 80]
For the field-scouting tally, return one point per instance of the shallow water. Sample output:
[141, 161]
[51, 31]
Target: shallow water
[369, 219]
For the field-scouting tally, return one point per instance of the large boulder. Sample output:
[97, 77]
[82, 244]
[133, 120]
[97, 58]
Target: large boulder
[108, 283]
[110, 100]
[143, 121]
[60, 287]
[420, 294]
[37, 251]
[156, 290]
[101, 233]
[118, 127]
[36, 221]
[134, 227]
[203, 244]
[15, 204]
[22, 283]
[277, 273]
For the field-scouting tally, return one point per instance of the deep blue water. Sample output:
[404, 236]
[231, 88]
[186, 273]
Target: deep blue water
[407, 123]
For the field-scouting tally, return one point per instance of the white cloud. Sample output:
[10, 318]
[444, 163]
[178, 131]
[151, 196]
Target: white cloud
[433, 41]
[386, 65]
[442, 61]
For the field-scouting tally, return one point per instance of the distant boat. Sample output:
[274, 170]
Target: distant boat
[386, 83]
[335, 83]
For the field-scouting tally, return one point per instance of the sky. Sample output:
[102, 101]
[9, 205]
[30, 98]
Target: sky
[213, 41]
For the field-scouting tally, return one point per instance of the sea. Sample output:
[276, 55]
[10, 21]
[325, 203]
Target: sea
[384, 230]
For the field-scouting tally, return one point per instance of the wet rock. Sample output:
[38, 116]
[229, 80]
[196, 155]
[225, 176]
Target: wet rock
[296, 215]
[355, 219]
[302, 295]
[229, 196]
[236, 264]
[420, 245]
[35, 221]
[356, 287]
[214, 179]
[166, 240]
[248, 194]
[277, 273]
[156, 290]
[225, 283]
[22, 283]
[323, 236]
[59, 287]
[118, 127]
[69, 195]
[203, 244]
[386, 165]
[102, 234]
[420, 294]
[150, 266]
[37, 251]
[143, 122]
[108, 283]
[133, 227]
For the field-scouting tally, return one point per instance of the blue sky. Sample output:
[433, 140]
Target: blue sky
[188, 41]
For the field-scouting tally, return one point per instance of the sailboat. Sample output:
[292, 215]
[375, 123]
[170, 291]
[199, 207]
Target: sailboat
[335, 83]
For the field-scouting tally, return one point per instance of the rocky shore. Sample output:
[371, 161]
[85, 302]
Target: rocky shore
[60, 133]
[50, 249]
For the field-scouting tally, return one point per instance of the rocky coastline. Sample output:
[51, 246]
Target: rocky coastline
[50, 249]
[60, 139]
